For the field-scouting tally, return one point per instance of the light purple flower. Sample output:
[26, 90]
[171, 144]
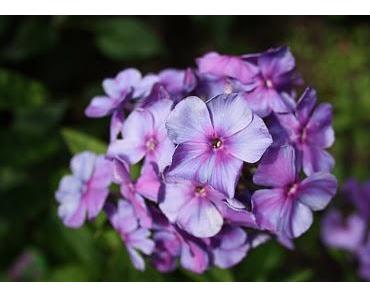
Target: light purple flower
[343, 233]
[225, 66]
[310, 131]
[286, 208]
[136, 239]
[195, 208]
[229, 247]
[118, 90]
[145, 135]
[214, 139]
[274, 82]
[359, 195]
[84, 193]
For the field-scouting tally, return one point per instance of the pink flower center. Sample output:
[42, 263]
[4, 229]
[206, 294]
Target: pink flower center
[216, 143]
[269, 83]
[292, 190]
[151, 144]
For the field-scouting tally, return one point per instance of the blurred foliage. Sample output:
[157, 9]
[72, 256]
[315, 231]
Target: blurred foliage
[50, 67]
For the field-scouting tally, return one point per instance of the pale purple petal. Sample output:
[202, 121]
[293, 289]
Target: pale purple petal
[194, 257]
[276, 62]
[130, 150]
[229, 114]
[139, 239]
[189, 121]
[82, 165]
[305, 105]
[136, 259]
[317, 190]
[149, 183]
[101, 106]
[301, 219]
[116, 124]
[316, 159]
[250, 143]
[200, 217]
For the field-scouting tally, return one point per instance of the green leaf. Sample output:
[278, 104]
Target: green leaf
[127, 38]
[79, 141]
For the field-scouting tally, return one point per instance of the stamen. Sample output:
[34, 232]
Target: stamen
[216, 143]
[269, 83]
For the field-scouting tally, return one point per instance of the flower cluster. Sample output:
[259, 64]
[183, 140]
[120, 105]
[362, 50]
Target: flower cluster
[349, 231]
[229, 157]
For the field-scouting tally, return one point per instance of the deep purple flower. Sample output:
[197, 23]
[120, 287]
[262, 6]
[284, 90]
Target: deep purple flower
[343, 233]
[225, 66]
[229, 247]
[84, 193]
[359, 195]
[177, 82]
[145, 135]
[194, 207]
[136, 239]
[286, 208]
[118, 90]
[310, 131]
[214, 139]
[274, 83]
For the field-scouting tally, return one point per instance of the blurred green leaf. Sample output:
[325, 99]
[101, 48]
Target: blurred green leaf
[79, 141]
[127, 38]
[19, 92]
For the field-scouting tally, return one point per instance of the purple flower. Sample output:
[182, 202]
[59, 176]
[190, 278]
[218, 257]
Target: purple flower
[214, 139]
[343, 233]
[145, 135]
[224, 66]
[229, 247]
[286, 208]
[118, 90]
[177, 82]
[274, 81]
[310, 131]
[359, 195]
[195, 208]
[136, 239]
[172, 243]
[84, 193]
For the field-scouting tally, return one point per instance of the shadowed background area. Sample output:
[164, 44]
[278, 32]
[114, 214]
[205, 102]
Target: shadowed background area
[50, 68]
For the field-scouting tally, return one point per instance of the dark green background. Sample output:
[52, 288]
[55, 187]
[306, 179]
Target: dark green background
[50, 67]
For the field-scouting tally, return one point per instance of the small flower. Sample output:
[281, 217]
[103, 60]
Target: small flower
[136, 239]
[343, 233]
[118, 90]
[274, 81]
[195, 208]
[84, 193]
[214, 139]
[286, 208]
[145, 135]
[310, 131]
[229, 247]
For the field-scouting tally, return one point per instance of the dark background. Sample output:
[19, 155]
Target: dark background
[50, 67]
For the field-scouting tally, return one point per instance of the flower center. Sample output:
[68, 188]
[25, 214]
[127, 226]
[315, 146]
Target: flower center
[293, 189]
[228, 88]
[151, 144]
[216, 143]
[269, 83]
[200, 191]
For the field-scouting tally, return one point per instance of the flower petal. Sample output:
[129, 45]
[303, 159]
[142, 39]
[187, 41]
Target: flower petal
[82, 165]
[100, 106]
[316, 159]
[251, 142]
[317, 190]
[189, 121]
[277, 168]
